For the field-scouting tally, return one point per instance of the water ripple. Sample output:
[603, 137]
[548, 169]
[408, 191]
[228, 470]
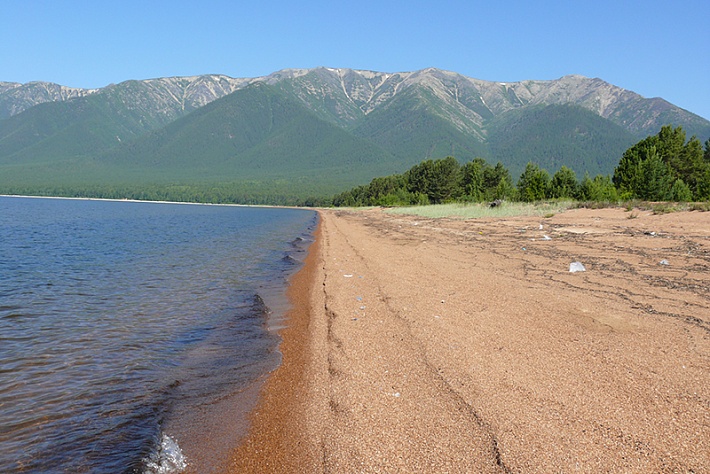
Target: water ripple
[117, 317]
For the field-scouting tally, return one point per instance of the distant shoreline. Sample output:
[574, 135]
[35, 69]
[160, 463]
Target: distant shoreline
[191, 203]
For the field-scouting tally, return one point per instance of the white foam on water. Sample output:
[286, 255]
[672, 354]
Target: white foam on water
[168, 459]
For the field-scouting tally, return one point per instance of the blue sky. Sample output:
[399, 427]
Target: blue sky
[655, 48]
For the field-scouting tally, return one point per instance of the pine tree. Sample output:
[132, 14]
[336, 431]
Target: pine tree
[533, 183]
[599, 189]
[684, 161]
[438, 179]
[446, 180]
[625, 173]
[680, 192]
[472, 179]
[564, 184]
[654, 179]
[497, 183]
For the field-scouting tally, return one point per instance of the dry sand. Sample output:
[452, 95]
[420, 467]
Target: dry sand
[420, 345]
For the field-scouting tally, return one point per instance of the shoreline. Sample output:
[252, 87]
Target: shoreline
[189, 203]
[207, 436]
[448, 345]
[277, 420]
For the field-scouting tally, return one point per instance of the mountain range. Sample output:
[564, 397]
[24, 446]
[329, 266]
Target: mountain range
[312, 131]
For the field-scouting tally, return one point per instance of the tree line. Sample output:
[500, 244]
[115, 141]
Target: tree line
[662, 167]
[220, 193]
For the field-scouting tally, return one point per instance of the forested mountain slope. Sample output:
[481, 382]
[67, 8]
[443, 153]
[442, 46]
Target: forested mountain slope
[336, 127]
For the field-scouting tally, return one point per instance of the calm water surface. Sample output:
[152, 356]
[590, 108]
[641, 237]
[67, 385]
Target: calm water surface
[118, 320]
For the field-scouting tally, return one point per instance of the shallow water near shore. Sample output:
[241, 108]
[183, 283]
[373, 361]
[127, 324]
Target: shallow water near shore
[124, 325]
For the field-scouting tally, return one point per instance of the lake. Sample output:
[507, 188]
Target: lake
[133, 335]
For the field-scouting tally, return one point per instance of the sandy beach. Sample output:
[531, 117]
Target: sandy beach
[449, 345]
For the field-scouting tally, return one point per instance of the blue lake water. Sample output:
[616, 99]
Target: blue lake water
[121, 322]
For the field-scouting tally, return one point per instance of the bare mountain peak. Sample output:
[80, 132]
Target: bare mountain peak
[284, 74]
[345, 95]
[16, 98]
[6, 86]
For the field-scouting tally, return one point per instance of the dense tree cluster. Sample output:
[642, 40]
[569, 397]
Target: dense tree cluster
[665, 167]
[223, 193]
[445, 180]
[662, 167]
[434, 181]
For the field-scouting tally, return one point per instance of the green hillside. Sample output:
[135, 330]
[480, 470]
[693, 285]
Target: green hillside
[256, 139]
[255, 133]
[557, 135]
[329, 103]
[644, 117]
[62, 130]
[303, 133]
[412, 129]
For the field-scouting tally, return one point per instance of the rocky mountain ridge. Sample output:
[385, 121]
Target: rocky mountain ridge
[345, 95]
[325, 129]
[481, 100]
[16, 98]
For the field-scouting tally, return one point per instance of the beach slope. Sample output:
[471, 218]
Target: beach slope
[421, 345]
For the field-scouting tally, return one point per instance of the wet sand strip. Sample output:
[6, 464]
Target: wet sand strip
[277, 440]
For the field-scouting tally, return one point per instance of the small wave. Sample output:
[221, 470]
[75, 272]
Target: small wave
[168, 459]
[259, 306]
[289, 260]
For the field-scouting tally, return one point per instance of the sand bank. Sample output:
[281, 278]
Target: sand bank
[445, 345]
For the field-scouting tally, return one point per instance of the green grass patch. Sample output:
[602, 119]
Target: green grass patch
[483, 210]
[598, 205]
[659, 208]
[668, 207]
